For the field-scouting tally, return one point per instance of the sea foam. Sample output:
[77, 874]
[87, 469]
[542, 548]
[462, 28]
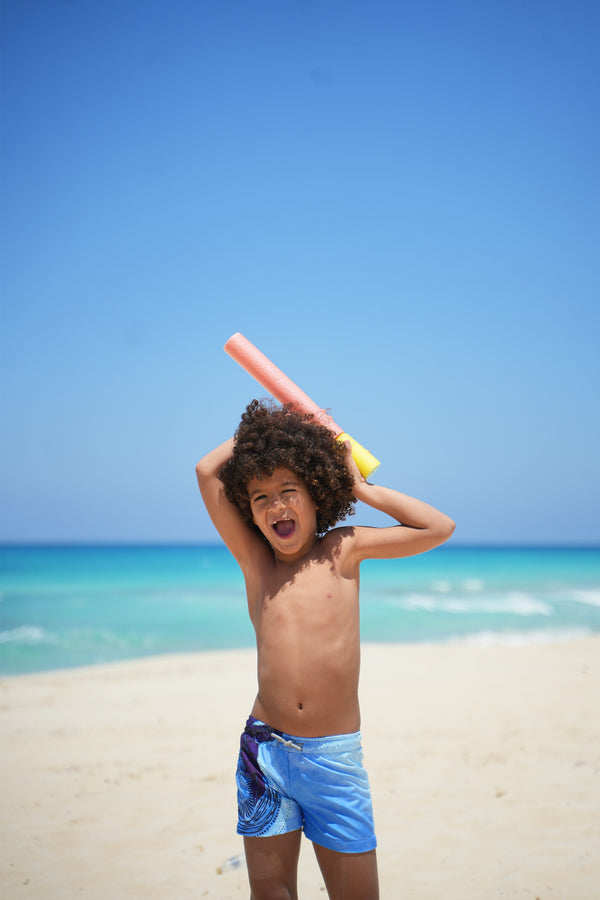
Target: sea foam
[513, 603]
[589, 597]
[27, 634]
[521, 638]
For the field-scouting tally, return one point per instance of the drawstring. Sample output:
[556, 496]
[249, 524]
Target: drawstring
[285, 743]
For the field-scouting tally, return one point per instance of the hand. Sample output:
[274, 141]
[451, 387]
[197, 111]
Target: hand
[359, 480]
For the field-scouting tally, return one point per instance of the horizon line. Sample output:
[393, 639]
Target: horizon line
[165, 543]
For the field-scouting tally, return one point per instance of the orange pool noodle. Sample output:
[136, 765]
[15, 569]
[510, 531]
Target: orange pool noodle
[283, 389]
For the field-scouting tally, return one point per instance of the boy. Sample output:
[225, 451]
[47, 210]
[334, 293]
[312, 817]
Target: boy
[274, 493]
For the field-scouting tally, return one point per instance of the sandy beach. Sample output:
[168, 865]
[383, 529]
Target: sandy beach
[484, 765]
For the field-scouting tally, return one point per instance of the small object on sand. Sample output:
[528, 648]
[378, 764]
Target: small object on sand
[234, 862]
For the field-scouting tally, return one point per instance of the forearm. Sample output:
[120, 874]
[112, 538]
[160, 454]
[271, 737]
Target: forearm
[405, 510]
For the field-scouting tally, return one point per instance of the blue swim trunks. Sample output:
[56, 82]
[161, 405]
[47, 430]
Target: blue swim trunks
[318, 784]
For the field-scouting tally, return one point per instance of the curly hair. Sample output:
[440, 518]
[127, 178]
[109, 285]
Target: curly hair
[270, 437]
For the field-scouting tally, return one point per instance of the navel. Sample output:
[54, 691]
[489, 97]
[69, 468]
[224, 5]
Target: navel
[299, 706]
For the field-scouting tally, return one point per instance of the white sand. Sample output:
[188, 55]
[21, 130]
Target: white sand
[484, 764]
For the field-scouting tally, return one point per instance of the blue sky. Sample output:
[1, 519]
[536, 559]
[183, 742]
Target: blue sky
[397, 203]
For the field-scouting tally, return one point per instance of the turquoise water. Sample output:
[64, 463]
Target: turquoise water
[64, 606]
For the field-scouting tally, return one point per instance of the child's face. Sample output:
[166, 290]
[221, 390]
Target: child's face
[284, 512]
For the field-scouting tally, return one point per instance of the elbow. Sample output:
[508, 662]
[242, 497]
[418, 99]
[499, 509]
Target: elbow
[448, 527]
[206, 466]
[203, 471]
[443, 529]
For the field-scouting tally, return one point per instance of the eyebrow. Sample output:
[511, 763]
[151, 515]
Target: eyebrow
[286, 483]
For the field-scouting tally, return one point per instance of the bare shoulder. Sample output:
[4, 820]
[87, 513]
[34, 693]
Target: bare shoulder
[341, 537]
[338, 545]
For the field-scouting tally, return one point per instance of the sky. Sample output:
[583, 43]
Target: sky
[397, 203]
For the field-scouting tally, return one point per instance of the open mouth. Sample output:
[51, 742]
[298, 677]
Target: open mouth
[284, 527]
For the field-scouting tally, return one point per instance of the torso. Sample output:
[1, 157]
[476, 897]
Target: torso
[306, 619]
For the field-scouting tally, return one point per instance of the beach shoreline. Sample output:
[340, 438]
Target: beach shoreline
[484, 763]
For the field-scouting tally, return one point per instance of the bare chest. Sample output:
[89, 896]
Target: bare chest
[314, 600]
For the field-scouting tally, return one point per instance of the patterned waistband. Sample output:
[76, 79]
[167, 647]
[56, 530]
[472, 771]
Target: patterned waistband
[262, 733]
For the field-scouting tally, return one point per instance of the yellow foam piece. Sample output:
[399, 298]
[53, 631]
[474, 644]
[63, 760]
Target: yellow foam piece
[365, 460]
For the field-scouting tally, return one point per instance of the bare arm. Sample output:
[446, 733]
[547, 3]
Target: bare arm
[240, 539]
[420, 526]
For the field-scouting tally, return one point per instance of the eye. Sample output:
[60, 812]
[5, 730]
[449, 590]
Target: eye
[258, 498]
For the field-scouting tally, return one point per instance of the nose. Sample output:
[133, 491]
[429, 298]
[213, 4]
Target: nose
[276, 502]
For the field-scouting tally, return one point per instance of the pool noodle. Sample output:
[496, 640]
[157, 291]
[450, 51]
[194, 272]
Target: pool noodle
[283, 389]
[273, 379]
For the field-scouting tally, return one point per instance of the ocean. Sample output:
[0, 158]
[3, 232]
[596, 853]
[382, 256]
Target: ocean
[67, 606]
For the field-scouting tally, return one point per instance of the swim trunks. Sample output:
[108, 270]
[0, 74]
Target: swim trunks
[318, 784]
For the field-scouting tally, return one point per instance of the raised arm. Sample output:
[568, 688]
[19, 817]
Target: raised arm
[420, 526]
[240, 539]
